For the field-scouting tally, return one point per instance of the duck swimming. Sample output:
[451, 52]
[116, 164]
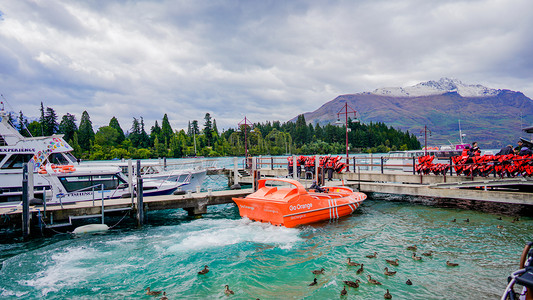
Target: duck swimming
[372, 255]
[352, 283]
[393, 262]
[152, 293]
[314, 282]
[388, 273]
[344, 291]
[227, 291]
[387, 295]
[416, 257]
[429, 253]
[164, 296]
[204, 271]
[360, 269]
[413, 248]
[408, 282]
[448, 263]
[318, 272]
[373, 281]
[351, 263]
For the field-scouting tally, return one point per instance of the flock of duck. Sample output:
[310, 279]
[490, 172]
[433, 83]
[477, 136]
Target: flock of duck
[347, 283]
[204, 271]
[387, 272]
[349, 262]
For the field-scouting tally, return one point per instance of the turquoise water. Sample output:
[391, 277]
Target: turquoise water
[262, 261]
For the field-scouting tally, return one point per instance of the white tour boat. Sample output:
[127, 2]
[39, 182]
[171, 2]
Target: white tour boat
[57, 176]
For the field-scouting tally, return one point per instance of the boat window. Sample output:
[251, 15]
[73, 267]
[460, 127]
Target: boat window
[110, 182]
[16, 161]
[70, 157]
[2, 141]
[58, 159]
[75, 183]
[2, 156]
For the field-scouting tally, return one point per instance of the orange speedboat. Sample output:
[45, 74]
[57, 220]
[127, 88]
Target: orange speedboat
[294, 205]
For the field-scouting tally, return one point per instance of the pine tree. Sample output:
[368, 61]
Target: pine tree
[85, 132]
[50, 122]
[42, 120]
[135, 135]
[208, 129]
[166, 130]
[155, 133]
[302, 131]
[114, 124]
[68, 126]
[145, 139]
[23, 125]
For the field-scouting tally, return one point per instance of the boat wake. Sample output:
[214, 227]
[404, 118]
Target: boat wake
[205, 234]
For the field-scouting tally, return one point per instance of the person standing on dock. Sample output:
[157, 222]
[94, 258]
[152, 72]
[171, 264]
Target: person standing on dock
[329, 167]
[474, 151]
[506, 150]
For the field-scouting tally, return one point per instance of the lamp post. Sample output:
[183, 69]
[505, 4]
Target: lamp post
[346, 112]
[426, 129]
[245, 123]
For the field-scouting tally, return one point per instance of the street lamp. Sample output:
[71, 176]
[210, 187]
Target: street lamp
[346, 112]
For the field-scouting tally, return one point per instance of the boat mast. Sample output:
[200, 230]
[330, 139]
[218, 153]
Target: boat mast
[460, 133]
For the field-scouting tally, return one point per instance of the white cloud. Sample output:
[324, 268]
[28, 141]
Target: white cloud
[268, 60]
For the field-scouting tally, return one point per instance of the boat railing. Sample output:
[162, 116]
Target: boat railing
[198, 164]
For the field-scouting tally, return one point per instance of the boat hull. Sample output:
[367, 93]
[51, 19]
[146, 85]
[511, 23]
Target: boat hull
[293, 207]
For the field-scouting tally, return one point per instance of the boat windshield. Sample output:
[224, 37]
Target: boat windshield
[16, 161]
[76, 183]
[60, 159]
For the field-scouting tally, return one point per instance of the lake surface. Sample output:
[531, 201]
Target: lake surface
[262, 261]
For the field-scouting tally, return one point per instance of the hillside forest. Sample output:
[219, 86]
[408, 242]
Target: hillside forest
[269, 138]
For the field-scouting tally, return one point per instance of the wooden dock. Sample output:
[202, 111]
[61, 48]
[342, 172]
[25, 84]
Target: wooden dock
[55, 216]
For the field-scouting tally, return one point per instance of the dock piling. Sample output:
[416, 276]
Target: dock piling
[140, 204]
[25, 203]
[235, 170]
[294, 168]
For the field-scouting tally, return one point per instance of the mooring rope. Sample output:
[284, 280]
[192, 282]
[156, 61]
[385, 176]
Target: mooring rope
[119, 220]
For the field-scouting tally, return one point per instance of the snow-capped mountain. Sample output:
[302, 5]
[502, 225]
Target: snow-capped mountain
[493, 118]
[444, 85]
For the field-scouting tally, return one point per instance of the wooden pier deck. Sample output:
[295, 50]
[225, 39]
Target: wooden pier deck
[56, 215]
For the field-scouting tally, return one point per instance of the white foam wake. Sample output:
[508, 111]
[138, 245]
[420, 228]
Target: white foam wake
[205, 234]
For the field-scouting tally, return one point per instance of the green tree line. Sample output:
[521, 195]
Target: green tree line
[269, 138]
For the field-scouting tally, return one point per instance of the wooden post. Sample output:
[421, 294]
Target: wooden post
[130, 182]
[31, 192]
[382, 165]
[271, 163]
[254, 173]
[165, 163]
[451, 167]
[317, 166]
[25, 203]
[140, 205]
[235, 170]
[103, 207]
[414, 164]
[294, 168]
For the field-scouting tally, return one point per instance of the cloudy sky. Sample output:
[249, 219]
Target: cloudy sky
[267, 60]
